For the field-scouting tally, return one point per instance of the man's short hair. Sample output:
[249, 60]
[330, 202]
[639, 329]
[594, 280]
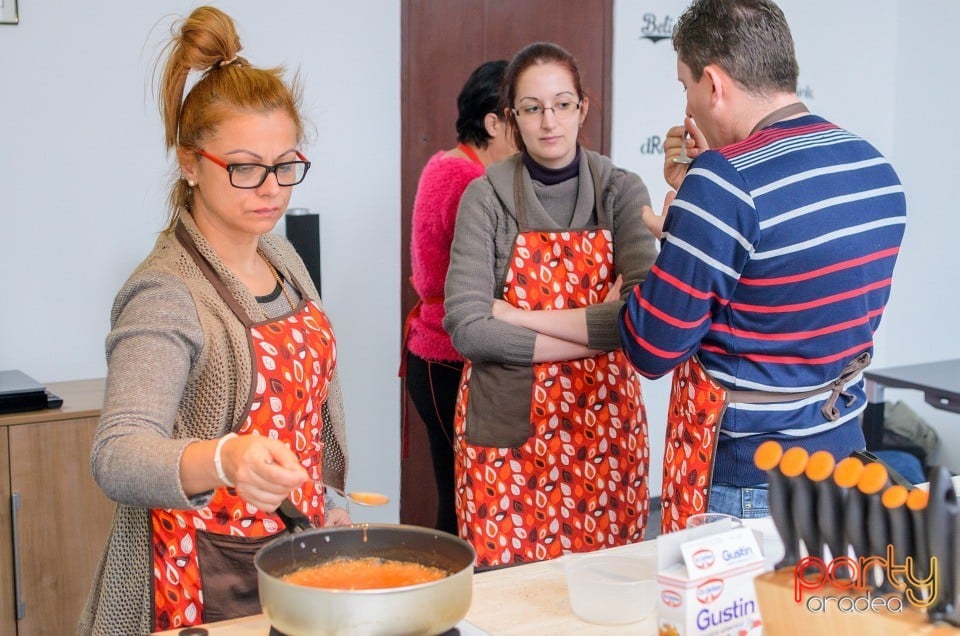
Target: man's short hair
[749, 39]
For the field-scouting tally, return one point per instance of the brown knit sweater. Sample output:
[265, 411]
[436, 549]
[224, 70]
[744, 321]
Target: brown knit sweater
[179, 370]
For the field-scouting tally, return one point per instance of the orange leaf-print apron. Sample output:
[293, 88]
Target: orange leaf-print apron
[697, 403]
[203, 559]
[579, 482]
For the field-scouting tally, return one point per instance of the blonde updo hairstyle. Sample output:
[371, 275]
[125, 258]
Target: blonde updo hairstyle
[207, 41]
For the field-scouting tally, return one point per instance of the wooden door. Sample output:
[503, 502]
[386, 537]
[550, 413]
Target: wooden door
[442, 41]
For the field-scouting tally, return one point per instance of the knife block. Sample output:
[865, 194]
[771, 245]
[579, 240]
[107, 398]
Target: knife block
[784, 617]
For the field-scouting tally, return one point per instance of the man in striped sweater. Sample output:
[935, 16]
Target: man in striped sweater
[775, 266]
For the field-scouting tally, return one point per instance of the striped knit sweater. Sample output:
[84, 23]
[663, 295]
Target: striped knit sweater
[775, 268]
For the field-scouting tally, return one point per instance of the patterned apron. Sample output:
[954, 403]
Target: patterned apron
[579, 483]
[203, 559]
[697, 404]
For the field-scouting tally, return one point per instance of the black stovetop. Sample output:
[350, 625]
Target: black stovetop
[453, 631]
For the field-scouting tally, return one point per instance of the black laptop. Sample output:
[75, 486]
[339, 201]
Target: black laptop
[20, 392]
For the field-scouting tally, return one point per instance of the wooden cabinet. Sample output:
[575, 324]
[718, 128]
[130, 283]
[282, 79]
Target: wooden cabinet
[54, 519]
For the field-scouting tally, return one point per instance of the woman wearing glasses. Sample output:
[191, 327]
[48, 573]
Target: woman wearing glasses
[222, 398]
[551, 437]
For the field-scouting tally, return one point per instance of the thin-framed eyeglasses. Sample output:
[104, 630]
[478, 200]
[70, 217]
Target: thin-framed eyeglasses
[561, 109]
[248, 176]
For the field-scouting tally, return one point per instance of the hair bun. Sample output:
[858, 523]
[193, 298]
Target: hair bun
[209, 38]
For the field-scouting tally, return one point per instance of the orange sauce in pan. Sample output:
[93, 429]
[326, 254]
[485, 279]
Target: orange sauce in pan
[364, 573]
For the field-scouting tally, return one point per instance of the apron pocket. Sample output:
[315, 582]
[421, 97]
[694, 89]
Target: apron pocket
[498, 407]
[228, 576]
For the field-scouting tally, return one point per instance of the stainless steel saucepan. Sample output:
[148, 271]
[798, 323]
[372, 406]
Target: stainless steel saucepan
[425, 609]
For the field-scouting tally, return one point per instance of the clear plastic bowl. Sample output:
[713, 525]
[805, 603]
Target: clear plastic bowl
[612, 590]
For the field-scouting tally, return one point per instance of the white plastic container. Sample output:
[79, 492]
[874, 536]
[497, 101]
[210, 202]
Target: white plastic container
[612, 590]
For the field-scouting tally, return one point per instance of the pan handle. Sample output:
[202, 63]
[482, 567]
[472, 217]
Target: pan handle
[295, 520]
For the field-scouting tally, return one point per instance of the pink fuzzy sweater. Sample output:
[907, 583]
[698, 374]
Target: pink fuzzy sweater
[442, 183]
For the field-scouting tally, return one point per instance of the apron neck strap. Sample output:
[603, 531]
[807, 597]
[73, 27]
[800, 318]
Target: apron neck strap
[471, 154]
[796, 108]
[211, 275]
[519, 201]
[602, 219]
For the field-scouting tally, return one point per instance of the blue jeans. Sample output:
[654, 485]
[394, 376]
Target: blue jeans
[745, 503]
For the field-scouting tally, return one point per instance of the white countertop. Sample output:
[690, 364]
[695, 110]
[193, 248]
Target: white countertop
[523, 600]
[528, 599]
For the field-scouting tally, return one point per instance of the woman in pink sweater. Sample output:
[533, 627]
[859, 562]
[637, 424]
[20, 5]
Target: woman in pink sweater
[433, 366]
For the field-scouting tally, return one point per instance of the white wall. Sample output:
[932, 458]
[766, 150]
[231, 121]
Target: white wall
[76, 97]
[921, 322]
[83, 184]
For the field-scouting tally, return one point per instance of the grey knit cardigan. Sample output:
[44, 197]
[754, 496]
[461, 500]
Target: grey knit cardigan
[179, 370]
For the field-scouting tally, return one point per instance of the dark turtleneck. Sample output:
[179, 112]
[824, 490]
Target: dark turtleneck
[552, 176]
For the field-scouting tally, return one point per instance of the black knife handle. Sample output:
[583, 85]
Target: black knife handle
[804, 504]
[855, 523]
[921, 549]
[778, 498]
[830, 504]
[941, 528]
[901, 535]
[878, 538]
